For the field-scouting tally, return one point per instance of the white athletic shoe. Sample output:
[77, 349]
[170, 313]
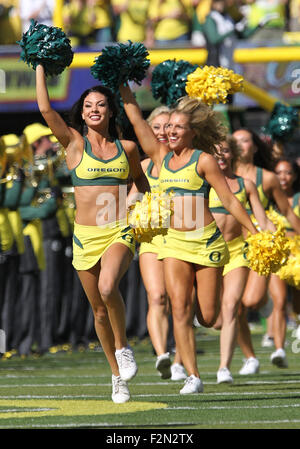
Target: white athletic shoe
[120, 392]
[192, 385]
[279, 359]
[163, 365]
[224, 376]
[251, 366]
[196, 322]
[126, 363]
[267, 342]
[177, 371]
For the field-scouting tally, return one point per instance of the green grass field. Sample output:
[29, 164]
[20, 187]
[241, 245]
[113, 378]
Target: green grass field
[70, 390]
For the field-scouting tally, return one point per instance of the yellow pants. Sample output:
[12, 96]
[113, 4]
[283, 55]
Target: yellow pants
[204, 246]
[90, 242]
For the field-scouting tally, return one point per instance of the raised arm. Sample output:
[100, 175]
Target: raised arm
[55, 122]
[154, 149]
[209, 168]
[257, 208]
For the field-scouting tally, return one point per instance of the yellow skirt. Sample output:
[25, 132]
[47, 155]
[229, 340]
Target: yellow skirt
[152, 247]
[90, 242]
[237, 252]
[204, 246]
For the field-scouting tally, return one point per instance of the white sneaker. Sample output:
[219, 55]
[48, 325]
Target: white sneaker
[192, 385]
[163, 364]
[278, 358]
[267, 342]
[196, 322]
[126, 363]
[177, 371]
[251, 366]
[120, 392]
[224, 376]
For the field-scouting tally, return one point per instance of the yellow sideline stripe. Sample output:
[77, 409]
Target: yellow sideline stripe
[71, 407]
[194, 56]
[266, 54]
[199, 55]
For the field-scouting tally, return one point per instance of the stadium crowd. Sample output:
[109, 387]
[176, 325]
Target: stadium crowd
[154, 22]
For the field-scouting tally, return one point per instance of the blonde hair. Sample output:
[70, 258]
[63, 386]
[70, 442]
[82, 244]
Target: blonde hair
[156, 112]
[206, 123]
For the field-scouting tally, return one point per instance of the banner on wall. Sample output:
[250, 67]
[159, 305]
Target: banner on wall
[17, 84]
[17, 87]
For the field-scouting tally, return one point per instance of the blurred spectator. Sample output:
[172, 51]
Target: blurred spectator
[258, 9]
[10, 24]
[201, 10]
[40, 10]
[131, 17]
[222, 32]
[79, 21]
[171, 21]
[103, 20]
[294, 11]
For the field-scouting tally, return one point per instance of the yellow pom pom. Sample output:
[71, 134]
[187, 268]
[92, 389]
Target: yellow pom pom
[150, 216]
[212, 85]
[267, 252]
[290, 272]
[279, 220]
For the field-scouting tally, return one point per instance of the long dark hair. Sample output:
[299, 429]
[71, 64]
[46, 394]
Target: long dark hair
[75, 117]
[263, 157]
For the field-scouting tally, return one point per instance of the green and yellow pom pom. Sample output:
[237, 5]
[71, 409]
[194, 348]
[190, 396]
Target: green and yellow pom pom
[290, 272]
[212, 85]
[267, 252]
[150, 216]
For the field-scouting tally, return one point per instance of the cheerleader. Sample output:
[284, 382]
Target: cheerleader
[236, 271]
[103, 246]
[193, 249]
[255, 163]
[286, 171]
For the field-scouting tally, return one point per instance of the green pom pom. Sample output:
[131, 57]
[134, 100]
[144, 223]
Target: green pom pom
[121, 63]
[169, 79]
[283, 122]
[48, 46]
